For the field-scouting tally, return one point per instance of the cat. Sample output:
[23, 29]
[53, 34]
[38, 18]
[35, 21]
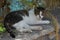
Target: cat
[20, 17]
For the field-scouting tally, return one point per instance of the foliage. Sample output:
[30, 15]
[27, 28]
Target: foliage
[2, 29]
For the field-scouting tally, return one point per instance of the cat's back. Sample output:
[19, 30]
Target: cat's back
[15, 16]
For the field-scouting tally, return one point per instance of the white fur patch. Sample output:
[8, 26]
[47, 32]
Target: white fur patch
[21, 26]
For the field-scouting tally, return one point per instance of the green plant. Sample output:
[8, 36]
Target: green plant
[2, 29]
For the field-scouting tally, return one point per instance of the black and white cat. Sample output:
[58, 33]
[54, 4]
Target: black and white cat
[19, 20]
